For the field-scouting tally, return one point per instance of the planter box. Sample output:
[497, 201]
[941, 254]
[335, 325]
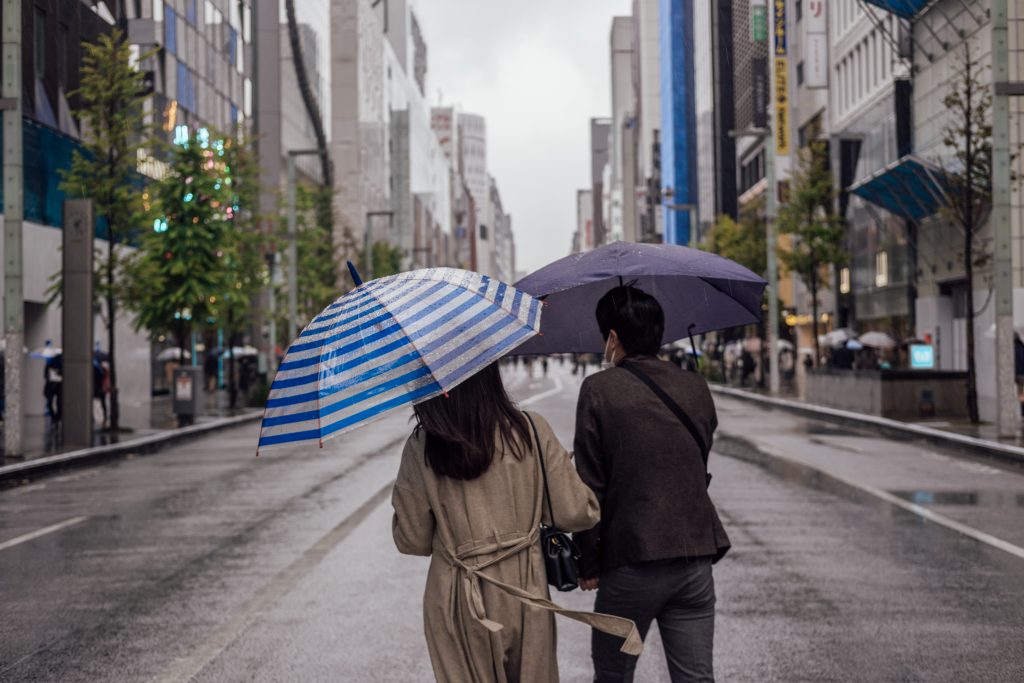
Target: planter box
[896, 394]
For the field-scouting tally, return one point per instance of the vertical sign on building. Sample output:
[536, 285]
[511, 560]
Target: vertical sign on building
[816, 42]
[780, 61]
[759, 65]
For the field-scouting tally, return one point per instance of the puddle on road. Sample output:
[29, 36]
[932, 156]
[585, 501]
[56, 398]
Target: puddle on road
[987, 499]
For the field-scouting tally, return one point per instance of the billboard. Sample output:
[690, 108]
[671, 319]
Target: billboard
[816, 45]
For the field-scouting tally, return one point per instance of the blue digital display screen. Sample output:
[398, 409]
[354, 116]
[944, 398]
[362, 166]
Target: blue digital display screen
[922, 356]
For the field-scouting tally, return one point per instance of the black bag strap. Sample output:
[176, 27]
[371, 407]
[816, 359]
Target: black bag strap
[543, 470]
[674, 407]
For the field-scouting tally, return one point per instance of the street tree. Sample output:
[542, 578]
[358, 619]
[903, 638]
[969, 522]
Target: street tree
[743, 241]
[815, 230]
[178, 274]
[387, 259]
[111, 113]
[968, 179]
[318, 263]
[244, 248]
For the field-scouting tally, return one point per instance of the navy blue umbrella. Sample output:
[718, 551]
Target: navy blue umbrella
[699, 291]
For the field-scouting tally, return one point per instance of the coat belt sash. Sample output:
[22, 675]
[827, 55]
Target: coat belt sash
[472, 573]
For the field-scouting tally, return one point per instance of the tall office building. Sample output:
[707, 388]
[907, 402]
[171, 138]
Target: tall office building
[622, 204]
[599, 157]
[53, 34]
[678, 122]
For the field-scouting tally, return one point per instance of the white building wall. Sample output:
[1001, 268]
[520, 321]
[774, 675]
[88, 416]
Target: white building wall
[645, 17]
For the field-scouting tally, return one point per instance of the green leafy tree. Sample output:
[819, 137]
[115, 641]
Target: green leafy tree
[743, 241]
[318, 264]
[968, 195]
[817, 233]
[179, 274]
[387, 259]
[110, 109]
[244, 267]
[746, 242]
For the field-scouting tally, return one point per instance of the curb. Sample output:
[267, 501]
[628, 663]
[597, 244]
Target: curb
[11, 474]
[1003, 452]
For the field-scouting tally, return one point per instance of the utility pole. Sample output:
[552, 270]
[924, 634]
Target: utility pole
[293, 248]
[1008, 407]
[771, 216]
[14, 293]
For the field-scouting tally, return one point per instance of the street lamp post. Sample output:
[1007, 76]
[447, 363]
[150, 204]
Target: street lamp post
[293, 248]
[771, 214]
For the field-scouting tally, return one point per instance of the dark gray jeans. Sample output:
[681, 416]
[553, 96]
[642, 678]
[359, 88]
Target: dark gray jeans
[680, 594]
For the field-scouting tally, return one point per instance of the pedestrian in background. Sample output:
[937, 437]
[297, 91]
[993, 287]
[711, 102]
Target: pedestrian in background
[469, 495]
[53, 382]
[650, 556]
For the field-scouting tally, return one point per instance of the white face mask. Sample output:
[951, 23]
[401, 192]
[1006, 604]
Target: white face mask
[607, 362]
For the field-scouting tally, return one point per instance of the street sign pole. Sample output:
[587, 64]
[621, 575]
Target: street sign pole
[14, 293]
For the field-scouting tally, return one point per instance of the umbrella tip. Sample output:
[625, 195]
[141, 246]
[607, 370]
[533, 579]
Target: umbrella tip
[355, 274]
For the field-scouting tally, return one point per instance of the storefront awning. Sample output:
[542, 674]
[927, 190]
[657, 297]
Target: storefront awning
[901, 8]
[910, 188]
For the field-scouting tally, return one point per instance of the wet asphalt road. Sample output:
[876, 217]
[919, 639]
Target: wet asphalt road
[206, 563]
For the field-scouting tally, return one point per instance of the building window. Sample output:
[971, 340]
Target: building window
[844, 281]
[799, 10]
[881, 269]
[191, 11]
[39, 44]
[483, 231]
[158, 11]
[800, 73]
[62, 56]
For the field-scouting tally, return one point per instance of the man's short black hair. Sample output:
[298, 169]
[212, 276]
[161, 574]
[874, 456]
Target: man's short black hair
[636, 317]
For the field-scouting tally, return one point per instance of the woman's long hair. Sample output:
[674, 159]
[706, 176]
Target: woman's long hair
[462, 428]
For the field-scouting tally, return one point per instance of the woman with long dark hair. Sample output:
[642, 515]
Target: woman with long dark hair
[469, 494]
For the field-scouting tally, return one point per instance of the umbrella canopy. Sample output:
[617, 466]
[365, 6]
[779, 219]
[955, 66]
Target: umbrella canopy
[173, 353]
[46, 351]
[240, 351]
[878, 340]
[699, 292]
[392, 342]
[854, 345]
[838, 337]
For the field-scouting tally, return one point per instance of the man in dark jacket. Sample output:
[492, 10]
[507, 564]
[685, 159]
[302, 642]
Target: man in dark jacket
[650, 556]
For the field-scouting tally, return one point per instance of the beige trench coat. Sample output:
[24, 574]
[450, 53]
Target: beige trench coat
[486, 611]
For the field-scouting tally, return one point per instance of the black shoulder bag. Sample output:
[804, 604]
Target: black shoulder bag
[561, 555]
[679, 413]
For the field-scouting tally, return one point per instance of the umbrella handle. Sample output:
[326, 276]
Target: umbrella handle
[355, 274]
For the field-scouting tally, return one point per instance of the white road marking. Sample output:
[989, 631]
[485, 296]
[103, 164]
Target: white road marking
[544, 394]
[930, 515]
[18, 540]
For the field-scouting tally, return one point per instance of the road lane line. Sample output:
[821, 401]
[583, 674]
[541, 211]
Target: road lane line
[187, 668]
[544, 394]
[18, 540]
[919, 510]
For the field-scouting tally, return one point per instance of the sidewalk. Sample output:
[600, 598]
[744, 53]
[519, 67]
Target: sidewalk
[982, 438]
[146, 426]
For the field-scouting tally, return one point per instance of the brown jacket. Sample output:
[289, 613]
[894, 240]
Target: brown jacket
[645, 468]
[486, 608]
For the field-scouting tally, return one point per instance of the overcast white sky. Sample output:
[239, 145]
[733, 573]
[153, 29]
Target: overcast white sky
[538, 70]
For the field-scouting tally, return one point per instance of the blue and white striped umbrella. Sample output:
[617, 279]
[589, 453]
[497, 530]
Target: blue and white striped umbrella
[392, 342]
